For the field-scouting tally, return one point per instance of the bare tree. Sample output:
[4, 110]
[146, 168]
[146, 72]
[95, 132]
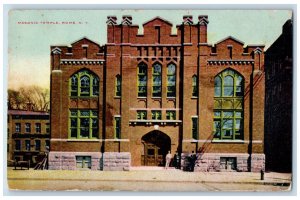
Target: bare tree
[34, 95]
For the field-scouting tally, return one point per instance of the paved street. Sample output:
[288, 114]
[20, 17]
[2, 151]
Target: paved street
[146, 180]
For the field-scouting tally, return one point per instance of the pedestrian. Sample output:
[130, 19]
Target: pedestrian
[192, 161]
[176, 160]
[168, 159]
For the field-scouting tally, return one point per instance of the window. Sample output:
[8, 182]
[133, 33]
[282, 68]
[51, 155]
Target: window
[84, 83]
[27, 145]
[171, 80]
[171, 114]
[142, 80]
[27, 127]
[156, 114]
[228, 124]
[117, 125]
[38, 127]
[228, 106]
[18, 128]
[47, 144]
[118, 86]
[37, 145]
[195, 128]
[195, 86]
[156, 81]
[17, 145]
[83, 162]
[141, 114]
[47, 127]
[83, 124]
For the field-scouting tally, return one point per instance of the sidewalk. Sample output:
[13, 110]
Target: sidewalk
[153, 175]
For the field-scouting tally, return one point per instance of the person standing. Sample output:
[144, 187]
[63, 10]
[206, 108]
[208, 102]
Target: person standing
[168, 159]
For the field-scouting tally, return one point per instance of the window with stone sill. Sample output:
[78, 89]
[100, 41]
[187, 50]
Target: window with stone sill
[17, 127]
[38, 127]
[27, 127]
[195, 128]
[83, 124]
[171, 115]
[141, 114]
[156, 114]
[84, 84]
[228, 106]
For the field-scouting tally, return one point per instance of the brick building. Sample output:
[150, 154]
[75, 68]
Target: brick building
[278, 110]
[129, 102]
[28, 135]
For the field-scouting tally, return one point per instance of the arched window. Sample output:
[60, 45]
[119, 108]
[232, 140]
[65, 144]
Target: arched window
[84, 83]
[195, 86]
[156, 80]
[118, 86]
[228, 106]
[142, 80]
[171, 80]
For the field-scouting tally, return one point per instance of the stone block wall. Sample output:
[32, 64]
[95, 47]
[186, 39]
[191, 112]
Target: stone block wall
[209, 162]
[109, 161]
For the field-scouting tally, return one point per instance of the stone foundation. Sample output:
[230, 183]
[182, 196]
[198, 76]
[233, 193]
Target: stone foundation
[108, 161]
[218, 162]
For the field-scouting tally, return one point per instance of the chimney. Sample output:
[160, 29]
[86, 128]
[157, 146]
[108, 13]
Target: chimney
[126, 20]
[187, 19]
[111, 20]
[203, 21]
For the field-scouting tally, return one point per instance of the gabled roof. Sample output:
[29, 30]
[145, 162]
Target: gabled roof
[230, 37]
[158, 18]
[84, 38]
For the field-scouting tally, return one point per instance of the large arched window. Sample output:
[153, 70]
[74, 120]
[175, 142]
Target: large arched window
[228, 106]
[156, 80]
[171, 80]
[142, 80]
[84, 83]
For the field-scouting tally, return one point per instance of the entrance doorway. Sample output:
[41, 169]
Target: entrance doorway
[156, 145]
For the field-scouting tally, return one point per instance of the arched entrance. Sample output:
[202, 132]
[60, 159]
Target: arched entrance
[156, 145]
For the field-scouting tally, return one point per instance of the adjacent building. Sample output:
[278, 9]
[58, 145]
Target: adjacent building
[28, 135]
[130, 101]
[279, 95]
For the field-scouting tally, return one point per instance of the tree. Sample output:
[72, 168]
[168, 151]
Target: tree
[35, 96]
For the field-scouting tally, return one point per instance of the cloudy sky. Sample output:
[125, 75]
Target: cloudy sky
[29, 44]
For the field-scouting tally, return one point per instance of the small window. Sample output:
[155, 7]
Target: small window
[83, 162]
[27, 145]
[141, 114]
[156, 80]
[195, 128]
[142, 80]
[27, 127]
[195, 86]
[118, 127]
[156, 114]
[18, 128]
[47, 127]
[17, 145]
[38, 127]
[171, 81]
[118, 86]
[171, 115]
[37, 145]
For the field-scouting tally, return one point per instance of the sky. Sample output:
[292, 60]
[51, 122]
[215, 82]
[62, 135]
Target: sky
[29, 44]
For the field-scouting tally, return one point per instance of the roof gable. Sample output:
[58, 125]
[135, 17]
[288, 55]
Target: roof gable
[230, 38]
[84, 40]
[158, 19]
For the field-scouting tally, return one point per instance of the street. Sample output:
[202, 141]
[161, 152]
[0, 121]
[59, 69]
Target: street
[146, 180]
